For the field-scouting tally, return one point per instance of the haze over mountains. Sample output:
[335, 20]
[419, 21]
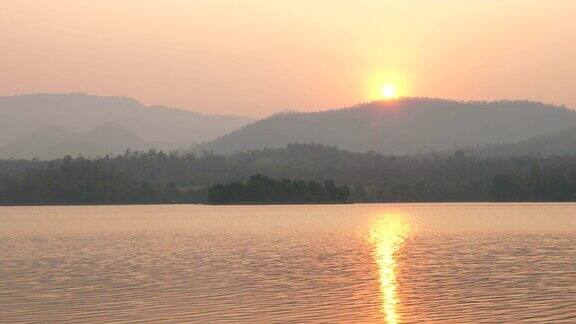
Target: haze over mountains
[48, 126]
[403, 126]
[53, 125]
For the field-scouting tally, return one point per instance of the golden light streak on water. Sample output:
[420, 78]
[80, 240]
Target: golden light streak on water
[387, 235]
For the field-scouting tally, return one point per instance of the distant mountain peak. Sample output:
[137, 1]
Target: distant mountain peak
[113, 131]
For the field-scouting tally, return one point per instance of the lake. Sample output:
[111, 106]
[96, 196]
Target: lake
[364, 263]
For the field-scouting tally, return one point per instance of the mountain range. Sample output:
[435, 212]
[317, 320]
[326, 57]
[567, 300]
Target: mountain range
[52, 125]
[48, 126]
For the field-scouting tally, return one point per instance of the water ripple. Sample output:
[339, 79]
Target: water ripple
[346, 264]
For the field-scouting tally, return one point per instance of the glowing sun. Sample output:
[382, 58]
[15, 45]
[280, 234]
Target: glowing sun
[388, 91]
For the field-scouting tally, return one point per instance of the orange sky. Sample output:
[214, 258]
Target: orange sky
[256, 57]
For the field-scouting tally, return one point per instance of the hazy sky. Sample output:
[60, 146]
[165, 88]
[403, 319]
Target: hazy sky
[256, 57]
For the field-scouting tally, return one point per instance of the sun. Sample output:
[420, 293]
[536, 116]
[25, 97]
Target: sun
[389, 91]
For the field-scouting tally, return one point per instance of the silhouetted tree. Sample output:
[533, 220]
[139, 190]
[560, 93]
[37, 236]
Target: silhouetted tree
[259, 188]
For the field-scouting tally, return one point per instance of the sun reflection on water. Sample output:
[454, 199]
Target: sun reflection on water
[387, 235]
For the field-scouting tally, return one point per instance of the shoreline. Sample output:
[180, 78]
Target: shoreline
[287, 203]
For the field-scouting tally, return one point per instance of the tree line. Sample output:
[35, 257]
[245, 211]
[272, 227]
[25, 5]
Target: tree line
[81, 181]
[156, 176]
[261, 189]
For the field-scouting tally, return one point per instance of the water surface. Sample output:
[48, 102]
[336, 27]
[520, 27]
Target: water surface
[376, 263]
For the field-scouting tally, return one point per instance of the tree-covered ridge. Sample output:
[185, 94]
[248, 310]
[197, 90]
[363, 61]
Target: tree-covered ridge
[561, 143]
[402, 126]
[261, 189]
[372, 177]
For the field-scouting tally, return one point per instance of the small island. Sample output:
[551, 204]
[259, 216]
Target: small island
[259, 189]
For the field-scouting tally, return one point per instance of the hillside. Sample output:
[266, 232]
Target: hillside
[55, 142]
[556, 143]
[403, 126]
[74, 113]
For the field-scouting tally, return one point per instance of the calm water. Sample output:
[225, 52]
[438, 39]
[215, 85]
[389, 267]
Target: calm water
[339, 263]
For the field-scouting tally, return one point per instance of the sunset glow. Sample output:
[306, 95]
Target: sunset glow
[388, 91]
[299, 49]
[261, 161]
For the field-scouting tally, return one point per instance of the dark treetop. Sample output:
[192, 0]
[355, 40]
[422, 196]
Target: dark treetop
[261, 189]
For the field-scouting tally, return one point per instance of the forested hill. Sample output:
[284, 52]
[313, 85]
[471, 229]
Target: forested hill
[403, 126]
[371, 176]
[557, 143]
